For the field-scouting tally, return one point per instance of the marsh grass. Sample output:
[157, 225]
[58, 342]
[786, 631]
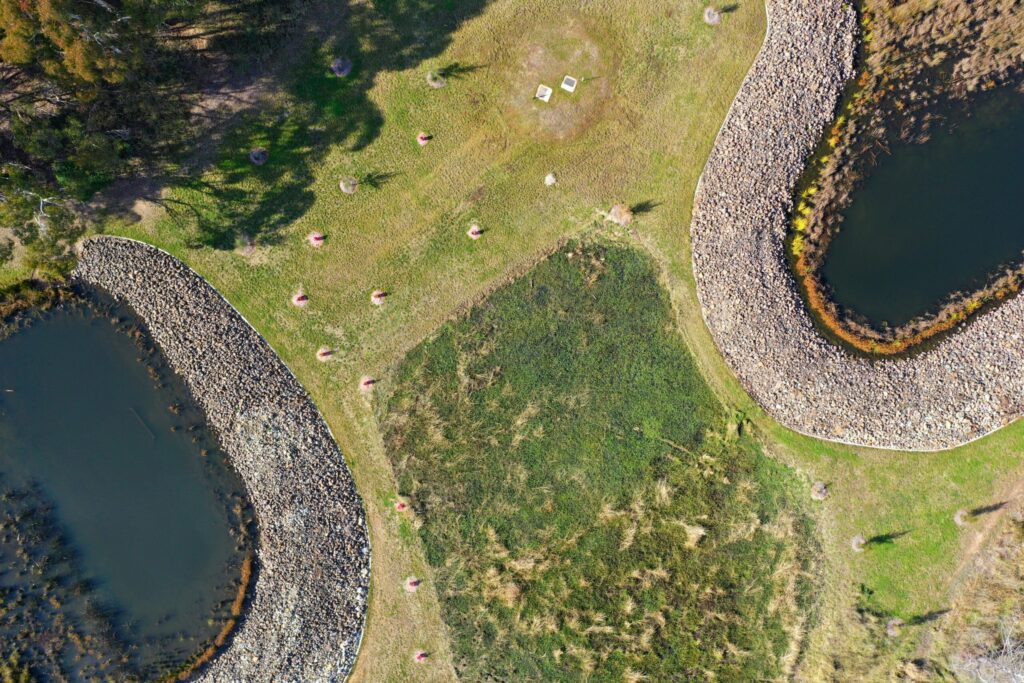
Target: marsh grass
[583, 508]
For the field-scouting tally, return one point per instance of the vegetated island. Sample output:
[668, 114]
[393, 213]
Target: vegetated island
[922, 67]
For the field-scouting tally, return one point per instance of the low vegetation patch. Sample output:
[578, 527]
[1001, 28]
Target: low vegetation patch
[982, 636]
[587, 506]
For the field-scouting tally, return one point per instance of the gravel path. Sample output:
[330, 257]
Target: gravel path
[308, 605]
[968, 385]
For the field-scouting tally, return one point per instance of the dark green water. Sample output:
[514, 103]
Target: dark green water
[140, 496]
[934, 218]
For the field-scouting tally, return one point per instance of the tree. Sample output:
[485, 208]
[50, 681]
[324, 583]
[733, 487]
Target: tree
[81, 41]
[42, 222]
[93, 90]
[82, 98]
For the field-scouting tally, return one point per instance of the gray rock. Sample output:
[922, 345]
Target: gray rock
[966, 386]
[308, 604]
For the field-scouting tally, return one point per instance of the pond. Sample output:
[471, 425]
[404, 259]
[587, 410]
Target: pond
[934, 218]
[122, 521]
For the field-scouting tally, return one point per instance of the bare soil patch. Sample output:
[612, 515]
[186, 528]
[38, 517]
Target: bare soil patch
[546, 56]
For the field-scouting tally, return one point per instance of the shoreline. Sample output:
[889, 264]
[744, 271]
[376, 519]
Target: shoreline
[969, 385]
[881, 109]
[307, 608]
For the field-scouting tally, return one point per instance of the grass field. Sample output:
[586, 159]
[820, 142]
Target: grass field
[660, 84]
[586, 506]
[407, 234]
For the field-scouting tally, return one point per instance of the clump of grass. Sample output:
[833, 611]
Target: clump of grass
[19, 301]
[582, 506]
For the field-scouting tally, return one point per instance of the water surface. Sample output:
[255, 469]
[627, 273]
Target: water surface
[138, 488]
[934, 218]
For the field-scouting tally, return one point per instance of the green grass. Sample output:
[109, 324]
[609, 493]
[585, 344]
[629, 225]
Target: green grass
[915, 495]
[12, 274]
[407, 235]
[559, 445]
[672, 81]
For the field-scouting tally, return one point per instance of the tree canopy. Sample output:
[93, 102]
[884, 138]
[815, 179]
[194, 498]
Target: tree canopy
[90, 90]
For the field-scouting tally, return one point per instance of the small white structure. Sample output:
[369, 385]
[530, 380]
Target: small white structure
[550, 179]
[569, 84]
[543, 93]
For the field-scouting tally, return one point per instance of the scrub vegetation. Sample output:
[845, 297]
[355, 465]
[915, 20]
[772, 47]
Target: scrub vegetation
[984, 636]
[588, 507]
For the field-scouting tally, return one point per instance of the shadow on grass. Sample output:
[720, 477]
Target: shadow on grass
[986, 509]
[885, 539]
[927, 617]
[377, 179]
[238, 201]
[456, 70]
[644, 207]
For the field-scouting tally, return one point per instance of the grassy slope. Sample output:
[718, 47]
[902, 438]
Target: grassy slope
[12, 274]
[559, 446]
[408, 236]
[674, 82]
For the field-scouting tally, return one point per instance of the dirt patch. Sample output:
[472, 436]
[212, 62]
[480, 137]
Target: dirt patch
[546, 56]
[987, 588]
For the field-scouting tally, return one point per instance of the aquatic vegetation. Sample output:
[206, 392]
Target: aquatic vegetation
[899, 99]
[13, 671]
[588, 507]
[47, 607]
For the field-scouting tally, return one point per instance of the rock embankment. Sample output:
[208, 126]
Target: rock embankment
[308, 606]
[968, 385]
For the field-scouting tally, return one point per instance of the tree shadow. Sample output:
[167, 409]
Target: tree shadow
[731, 7]
[220, 197]
[457, 70]
[377, 179]
[885, 539]
[986, 509]
[927, 617]
[644, 207]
